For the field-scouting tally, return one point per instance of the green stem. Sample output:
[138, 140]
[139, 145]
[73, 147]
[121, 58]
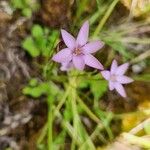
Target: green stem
[74, 108]
[106, 16]
[88, 111]
[75, 121]
[62, 101]
[43, 134]
[50, 124]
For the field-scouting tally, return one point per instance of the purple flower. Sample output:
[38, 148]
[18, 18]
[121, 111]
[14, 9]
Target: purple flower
[79, 51]
[116, 77]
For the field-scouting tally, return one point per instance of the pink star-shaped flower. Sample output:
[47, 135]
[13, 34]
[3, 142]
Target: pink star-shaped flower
[116, 77]
[79, 51]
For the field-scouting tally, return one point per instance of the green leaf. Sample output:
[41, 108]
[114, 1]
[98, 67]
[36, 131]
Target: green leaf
[46, 52]
[34, 92]
[37, 31]
[98, 88]
[33, 82]
[17, 4]
[29, 45]
[59, 140]
[42, 44]
[41, 89]
[52, 39]
[36, 89]
[27, 12]
[83, 83]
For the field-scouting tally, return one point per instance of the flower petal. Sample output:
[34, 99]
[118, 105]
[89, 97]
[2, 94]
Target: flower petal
[122, 69]
[124, 79]
[120, 89]
[92, 62]
[111, 85]
[83, 34]
[63, 56]
[69, 40]
[114, 66]
[106, 74]
[66, 66]
[92, 47]
[78, 62]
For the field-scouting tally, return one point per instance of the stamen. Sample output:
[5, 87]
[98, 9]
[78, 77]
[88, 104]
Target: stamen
[77, 51]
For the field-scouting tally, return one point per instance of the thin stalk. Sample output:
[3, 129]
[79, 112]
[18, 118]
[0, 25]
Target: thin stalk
[106, 16]
[97, 15]
[71, 132]
[43, 134]
[60, 104]
[92, 136]
[88, 111]
[50, 124]
[74, 108]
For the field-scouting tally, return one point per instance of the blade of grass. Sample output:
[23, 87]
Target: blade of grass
[106, 16]
[72, 132]
[43, 134]
[50, 124]
[80, 9]
[92, 136]
[88, 111]
[60, 104]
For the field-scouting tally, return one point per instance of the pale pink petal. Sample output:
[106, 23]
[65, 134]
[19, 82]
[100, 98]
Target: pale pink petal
[78, 62]
[111, 85]
[63, 55]
[120, 89]
[83, 34]
[114, 66]
[106, 74]
[124, 79]
[66, 66]
[122, 69]
[69, 40]
[92, 62]
[92, 47]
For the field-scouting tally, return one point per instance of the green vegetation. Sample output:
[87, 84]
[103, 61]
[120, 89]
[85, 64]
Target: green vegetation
[73, 95]
[27, 7]
[41, 41]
